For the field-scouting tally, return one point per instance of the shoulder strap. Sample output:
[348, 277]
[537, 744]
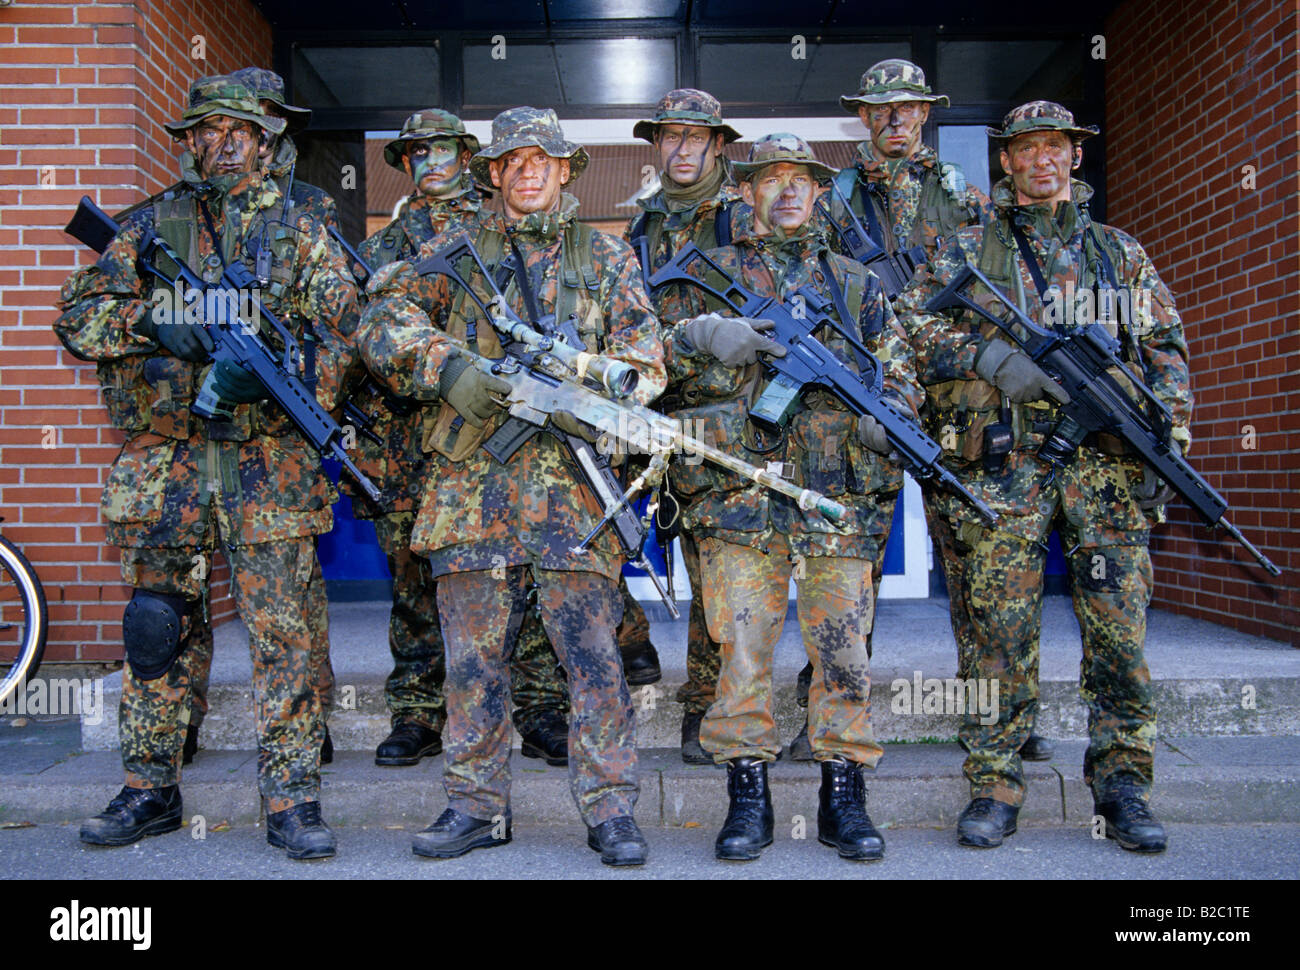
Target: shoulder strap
[174, 219]
[577, 275]
[722, 225]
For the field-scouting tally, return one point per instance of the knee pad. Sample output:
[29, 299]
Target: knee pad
[153, 631]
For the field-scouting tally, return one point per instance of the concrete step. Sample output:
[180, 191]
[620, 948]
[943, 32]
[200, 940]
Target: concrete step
[1208, 681]
[1201, 780]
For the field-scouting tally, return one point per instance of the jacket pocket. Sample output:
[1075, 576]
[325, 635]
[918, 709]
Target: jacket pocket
[721, 426]
[126, 395]
[172, 381]
[956, 415]
[137, 483]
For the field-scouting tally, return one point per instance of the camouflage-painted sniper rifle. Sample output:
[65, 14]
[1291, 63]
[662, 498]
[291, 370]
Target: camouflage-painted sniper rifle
[226, 336]
[550, 370]
[808, 365]
[1080, 360]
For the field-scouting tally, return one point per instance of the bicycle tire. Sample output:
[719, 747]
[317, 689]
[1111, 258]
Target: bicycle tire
[36, 618]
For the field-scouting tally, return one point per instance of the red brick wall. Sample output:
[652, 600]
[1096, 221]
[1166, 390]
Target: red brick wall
[83, 89]
[1195, 92]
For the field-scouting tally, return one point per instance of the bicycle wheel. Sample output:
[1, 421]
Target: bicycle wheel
[24, 620]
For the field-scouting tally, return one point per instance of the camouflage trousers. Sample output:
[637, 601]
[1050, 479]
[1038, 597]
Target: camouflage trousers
[746, 597]
[199, 649]
[481, 615]
[270, 582]
[703, 653]
[887, 507]
[1002, 587]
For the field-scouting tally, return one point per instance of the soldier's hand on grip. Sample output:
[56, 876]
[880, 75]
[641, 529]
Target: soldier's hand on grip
[179, 338]
[473, 394]
[1011, 371]
[235, 384]
[734, 341]
[1152, 491]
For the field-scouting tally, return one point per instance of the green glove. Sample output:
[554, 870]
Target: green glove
[234, 384]
[471, 392]
[178, 338]
[1012, 372]
[569, 423]
[734, 341]
[872, 435]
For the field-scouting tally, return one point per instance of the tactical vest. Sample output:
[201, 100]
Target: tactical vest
[577, 293]
[937, 207]
[651, 225]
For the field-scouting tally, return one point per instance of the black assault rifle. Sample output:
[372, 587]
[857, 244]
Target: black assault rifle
[895, 270]
[809, 364]
[226, 336]
[1080, 359]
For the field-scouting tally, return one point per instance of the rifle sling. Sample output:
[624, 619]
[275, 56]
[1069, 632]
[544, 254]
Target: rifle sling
[842, 311]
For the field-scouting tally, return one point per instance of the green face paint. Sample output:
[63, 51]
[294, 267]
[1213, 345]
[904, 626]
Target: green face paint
[435, 165]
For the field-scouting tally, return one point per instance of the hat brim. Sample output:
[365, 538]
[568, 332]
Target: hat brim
[645, 129]
[995, 134]
[298, 118]
[824, 173]
[852, 102]
[275, 126]
[575, 153]
[396, 148]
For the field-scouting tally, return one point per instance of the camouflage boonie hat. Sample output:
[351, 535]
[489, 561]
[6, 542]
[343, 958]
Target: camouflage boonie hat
[1040, 116]
[890, 81]
[522, 128]
[428, 123]
[686, 106]
[781, 146]
[269, 86]
[219, 95]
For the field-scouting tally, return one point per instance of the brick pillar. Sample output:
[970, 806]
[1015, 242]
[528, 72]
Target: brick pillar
[1203, 161]
[84, 88]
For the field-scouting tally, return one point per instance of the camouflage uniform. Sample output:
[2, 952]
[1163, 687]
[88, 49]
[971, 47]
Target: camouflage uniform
[485, 527]
[181, 484]
[1091, 502]
[751, 538]
[668, 223]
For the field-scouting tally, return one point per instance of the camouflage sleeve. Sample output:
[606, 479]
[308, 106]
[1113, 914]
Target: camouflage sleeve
[944, 350]
[1160, 338]
[630, 323]
[326, 294]
[685, 304]
[891, 348]
[103, 306]
[398, 341]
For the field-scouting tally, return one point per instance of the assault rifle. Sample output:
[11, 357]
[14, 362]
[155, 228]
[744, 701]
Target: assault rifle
[550, 370]
[225, 336]
[895, 270]
[809, 364]
[1080, 360]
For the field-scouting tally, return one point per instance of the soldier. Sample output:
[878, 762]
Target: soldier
[434, 148]
[496, 535]
[697, 202]
[1042, 243]
[751, 540]
[182, 484]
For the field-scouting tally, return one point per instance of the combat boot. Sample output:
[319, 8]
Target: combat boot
[454, 834]
[641, 665]
[842, 820]
[619, 842]
[1037, 748]
[748, 828]
[986, 822]
[693, 752]
[548, 739]
[301, 832]
[800, 748]
[407, 743]
[1129, 821]
[134, 813]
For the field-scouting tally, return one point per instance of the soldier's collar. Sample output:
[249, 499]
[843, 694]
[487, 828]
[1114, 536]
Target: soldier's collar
[870, 165]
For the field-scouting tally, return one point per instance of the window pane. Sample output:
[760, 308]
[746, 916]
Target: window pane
[967, 146]
[766, 72]
[622, 70]
[1012, 72]
[366, 77]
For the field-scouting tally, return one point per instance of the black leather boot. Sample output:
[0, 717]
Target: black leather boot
[407, 743]
[1129, 821]
[455, 833]
[327, 748]
[301, 832]
[1037, 748]
[191, 747]
[842, 820]
[548, 739]
[986, 822]
[134, 813]
[619, 842]
[692, 752]
[748, 828]
[800, 749]
[641, 665]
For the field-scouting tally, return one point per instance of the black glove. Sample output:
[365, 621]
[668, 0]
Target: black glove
[471, 392]
[1011, 371]
[1153, 491]
[234, 384]
[179, 338]
[732, 340]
